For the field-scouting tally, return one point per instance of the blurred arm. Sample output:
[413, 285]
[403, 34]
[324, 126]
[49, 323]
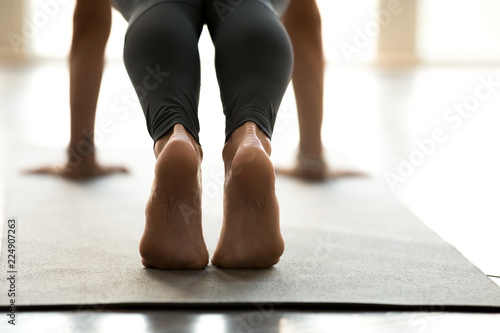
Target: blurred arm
[303, 23]
[91, 27]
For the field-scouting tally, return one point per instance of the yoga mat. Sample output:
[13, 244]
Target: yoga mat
[348, 243]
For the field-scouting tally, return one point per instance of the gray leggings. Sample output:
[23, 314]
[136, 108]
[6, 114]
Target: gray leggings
[253, 60]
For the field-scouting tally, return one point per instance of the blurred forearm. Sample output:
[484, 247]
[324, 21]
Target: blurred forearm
[303, 23]
[91, 27]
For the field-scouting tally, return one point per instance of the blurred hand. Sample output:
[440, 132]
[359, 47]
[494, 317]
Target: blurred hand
[317, 176]
[316, 169]
[86, 168]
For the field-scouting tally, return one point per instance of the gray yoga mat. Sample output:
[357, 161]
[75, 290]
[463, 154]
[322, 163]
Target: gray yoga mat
[348, 243]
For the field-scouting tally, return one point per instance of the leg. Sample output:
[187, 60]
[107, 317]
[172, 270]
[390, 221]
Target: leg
[161, 57]
[253, 63]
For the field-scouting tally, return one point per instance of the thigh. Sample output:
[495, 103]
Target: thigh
[253, 60]
[167, 34]
[217, 10]
[134, 9]
[161, 57]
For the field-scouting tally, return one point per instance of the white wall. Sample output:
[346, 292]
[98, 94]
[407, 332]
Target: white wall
[10, 29]
[449, 31]
[458, 31]
[53, 36]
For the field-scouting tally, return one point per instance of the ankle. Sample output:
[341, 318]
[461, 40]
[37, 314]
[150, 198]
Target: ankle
[177, 132]
[247, 133]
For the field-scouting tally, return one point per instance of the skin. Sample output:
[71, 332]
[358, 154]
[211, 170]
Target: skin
[92, 23]
[173, 237]
[303, 23]
[91, 28]
[250, 235]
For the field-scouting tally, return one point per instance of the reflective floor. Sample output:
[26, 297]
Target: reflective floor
[255, 321]
[376, 117]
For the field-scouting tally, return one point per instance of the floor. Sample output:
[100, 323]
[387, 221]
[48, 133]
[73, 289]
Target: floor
[380, 121]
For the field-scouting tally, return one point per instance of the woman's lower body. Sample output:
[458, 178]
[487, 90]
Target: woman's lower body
[253, 62]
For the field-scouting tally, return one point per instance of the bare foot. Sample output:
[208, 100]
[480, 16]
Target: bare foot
[173, 237]
[250, 236]
[312, 168]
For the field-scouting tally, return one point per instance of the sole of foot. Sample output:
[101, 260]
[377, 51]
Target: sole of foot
[173, 236]
[250, 235]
